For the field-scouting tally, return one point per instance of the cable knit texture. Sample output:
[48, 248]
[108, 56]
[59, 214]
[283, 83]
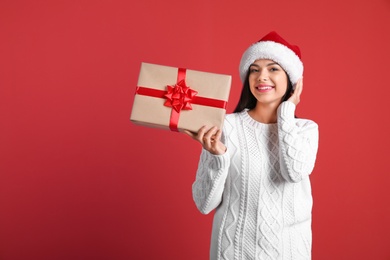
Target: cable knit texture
[260, 188]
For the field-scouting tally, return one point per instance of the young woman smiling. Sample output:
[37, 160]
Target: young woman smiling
[255, 171]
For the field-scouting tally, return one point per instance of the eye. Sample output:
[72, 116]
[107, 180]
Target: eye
[253, 69]
[274, 69]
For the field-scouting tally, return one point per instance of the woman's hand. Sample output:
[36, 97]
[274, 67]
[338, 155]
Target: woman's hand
[296, 96]
[209, 139]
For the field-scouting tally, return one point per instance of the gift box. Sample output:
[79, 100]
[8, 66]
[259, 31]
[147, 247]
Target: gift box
[179, 99]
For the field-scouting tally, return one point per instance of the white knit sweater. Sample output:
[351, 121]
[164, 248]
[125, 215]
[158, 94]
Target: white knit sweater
[260, 188]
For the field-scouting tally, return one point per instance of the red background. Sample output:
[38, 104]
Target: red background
[79, 181]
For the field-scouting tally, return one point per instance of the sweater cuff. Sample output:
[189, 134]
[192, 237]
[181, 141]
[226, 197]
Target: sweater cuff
[218, 161]
[286, 110]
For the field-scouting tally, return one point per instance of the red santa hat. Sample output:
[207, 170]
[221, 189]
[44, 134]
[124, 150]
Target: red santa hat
[274, 47]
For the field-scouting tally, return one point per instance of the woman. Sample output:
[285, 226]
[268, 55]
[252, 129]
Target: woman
[255, 172]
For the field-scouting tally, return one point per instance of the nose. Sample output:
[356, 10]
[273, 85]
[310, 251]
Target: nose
[263, 75]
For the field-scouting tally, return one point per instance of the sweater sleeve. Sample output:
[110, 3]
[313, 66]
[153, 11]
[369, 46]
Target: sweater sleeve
[298, 143]
[210, 180]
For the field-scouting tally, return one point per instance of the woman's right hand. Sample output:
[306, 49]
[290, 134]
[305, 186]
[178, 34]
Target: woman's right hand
[209, 139]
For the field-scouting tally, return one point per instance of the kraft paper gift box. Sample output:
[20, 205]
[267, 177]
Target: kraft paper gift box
[179, 99]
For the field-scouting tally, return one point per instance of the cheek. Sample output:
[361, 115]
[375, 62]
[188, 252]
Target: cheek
[252, 82]
[282, 81]
[284, 84]
[251, 78]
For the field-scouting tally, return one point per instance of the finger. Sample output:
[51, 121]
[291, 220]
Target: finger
[297, 89]
[190, 134]
[207, 138]
[201, 134]
[300, 84]
[211, 132]
[202, 130]
[218, 135]
[210, 135]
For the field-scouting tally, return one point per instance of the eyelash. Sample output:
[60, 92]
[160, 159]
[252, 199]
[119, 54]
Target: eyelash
[251, 70]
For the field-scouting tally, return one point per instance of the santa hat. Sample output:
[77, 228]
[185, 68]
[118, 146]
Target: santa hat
[273, 47]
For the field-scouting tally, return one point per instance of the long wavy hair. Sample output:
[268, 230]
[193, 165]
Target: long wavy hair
[247, 100]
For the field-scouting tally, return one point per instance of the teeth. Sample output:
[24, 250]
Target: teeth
[264, 88]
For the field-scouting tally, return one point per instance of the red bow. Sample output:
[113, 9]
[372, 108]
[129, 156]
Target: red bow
[179, 96]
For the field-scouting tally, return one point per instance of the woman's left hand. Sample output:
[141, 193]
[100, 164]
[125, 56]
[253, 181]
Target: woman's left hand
[296, 96]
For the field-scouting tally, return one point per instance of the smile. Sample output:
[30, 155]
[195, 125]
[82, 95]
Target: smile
[264, 88]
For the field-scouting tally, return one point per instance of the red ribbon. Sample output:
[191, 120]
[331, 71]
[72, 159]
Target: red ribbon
[179, 97]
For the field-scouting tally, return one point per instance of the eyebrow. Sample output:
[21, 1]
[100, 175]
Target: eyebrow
[269, 64]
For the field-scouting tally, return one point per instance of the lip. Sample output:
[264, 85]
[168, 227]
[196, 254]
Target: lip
[264, 88]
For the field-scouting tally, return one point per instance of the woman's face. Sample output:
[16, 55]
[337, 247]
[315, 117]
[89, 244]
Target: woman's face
[267, 81]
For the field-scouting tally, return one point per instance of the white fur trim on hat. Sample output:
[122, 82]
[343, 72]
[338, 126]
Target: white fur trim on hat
[277, 52]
